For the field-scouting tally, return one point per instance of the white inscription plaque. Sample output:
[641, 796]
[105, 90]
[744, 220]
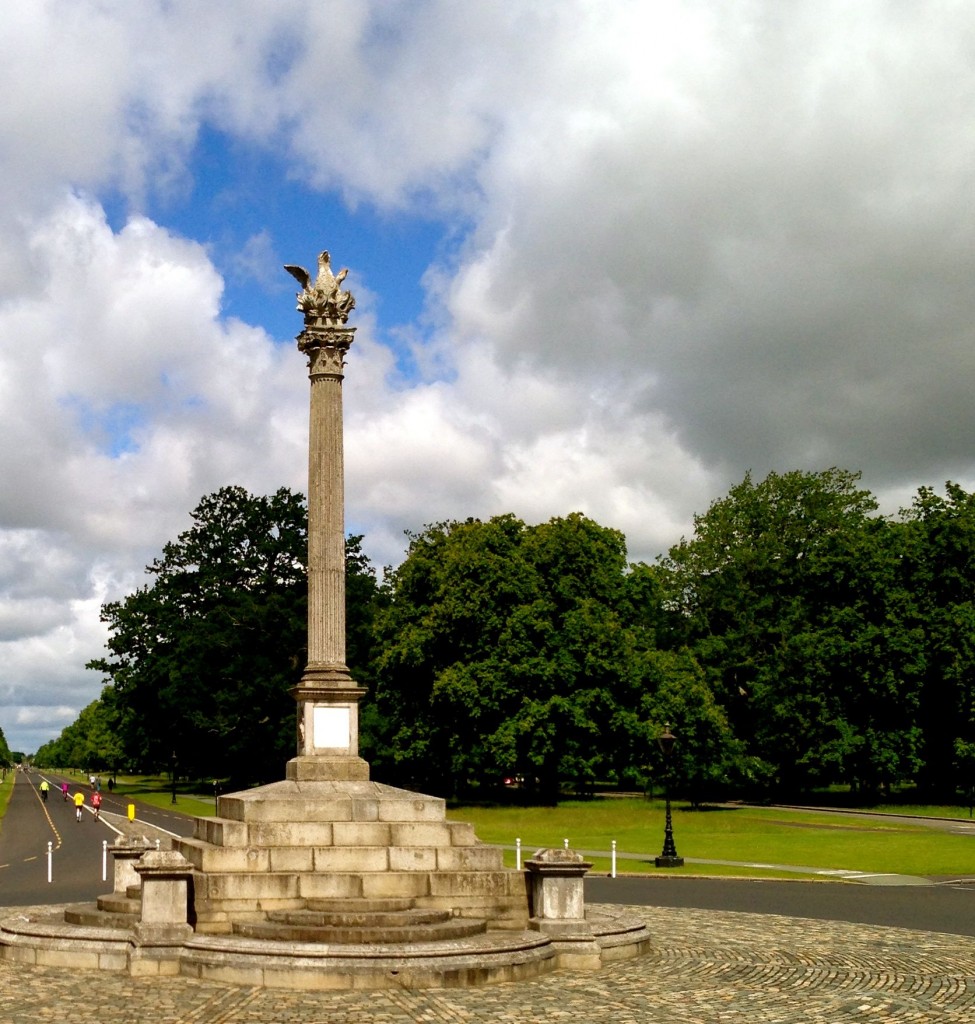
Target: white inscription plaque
[331, 727]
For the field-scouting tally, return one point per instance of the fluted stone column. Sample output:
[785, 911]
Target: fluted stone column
[327, 696]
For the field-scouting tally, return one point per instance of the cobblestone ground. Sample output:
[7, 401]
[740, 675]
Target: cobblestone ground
[706, 968]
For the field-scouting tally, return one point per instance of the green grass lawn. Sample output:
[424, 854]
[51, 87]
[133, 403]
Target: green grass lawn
[6, 788]
[754, 834]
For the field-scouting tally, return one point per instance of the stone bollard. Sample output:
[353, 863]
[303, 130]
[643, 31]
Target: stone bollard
[559, 907]
[126, 852]
[163, 926]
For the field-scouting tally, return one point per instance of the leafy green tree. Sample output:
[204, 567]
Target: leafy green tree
[939, 563]
[92, 741]
[203, 659]
[784, 594]
[514, 650]
[6, 757]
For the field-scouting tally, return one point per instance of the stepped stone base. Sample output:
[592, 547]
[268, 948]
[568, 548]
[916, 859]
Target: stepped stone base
[323, 884]
[273, 849]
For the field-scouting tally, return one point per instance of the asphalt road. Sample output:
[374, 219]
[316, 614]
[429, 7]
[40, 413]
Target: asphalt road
[76, 847]
[934, 908]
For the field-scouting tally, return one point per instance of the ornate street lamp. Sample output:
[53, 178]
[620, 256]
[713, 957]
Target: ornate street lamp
[668, 858]
[174, 777]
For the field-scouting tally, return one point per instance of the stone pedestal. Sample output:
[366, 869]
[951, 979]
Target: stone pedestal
[126, 853]
[559, 908]
[164, 920]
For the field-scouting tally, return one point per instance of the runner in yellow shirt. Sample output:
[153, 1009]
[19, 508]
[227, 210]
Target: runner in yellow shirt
[79, 802]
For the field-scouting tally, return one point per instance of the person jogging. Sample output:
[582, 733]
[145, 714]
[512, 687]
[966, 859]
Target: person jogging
[44, 787]
[96, 802]
[79, 803]
[64, 791]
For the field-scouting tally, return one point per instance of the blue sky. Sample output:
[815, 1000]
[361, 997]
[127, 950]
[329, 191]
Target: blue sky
[607, 257]
[253, 213]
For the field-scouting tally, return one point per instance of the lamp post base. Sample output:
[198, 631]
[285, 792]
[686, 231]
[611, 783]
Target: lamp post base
[669, 862]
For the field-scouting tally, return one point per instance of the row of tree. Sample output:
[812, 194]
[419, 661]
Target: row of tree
[797, 638]
[6, 755]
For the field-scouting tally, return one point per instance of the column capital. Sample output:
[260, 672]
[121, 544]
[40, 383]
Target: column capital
[326, 347]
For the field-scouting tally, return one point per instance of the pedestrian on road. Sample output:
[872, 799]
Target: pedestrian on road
[44, 787]
[96, 802]
[64, 791]
[79, 803]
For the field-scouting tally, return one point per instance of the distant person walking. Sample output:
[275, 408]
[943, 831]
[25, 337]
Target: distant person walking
[44, 787]
[96, 802]
[79, 803]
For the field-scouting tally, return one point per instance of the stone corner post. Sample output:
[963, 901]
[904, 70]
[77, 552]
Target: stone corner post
[163, 925]
[559, 907]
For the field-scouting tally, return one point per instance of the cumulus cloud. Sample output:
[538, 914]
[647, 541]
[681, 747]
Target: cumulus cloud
[681, 241]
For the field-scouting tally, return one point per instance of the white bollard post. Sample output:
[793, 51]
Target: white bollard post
[518, 855]
[50, 865]
[612, 873]
[565, 843]
[104, 860]
[158, 843]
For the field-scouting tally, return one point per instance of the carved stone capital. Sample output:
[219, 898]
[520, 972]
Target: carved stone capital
[326, 349]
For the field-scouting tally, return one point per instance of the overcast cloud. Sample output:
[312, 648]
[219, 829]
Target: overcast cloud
[678, 241]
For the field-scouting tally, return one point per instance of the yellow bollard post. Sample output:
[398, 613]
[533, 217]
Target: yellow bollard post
[131, 812]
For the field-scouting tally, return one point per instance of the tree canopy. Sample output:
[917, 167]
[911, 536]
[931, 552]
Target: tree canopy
[202, 659]
[517, 650]
[797, 638]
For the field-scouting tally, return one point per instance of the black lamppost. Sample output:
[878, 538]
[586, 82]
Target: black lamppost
[668, 858]
[174, 778]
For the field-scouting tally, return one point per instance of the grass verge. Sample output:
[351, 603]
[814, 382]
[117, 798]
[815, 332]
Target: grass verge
[6, 788]
[747, 834]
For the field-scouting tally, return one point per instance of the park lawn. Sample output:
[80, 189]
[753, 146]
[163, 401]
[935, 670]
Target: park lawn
[158, 791]
[751, 834]
[6, 788]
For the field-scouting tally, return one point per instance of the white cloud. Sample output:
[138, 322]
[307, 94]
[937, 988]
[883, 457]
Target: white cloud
[689, 240]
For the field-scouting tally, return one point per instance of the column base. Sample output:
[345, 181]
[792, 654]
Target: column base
[669, 862]
[311, 768]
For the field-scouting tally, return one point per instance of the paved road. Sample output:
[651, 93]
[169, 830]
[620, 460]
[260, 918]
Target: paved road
[935, 908]
[76, 847]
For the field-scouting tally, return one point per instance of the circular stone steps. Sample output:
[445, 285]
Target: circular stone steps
[99, 917]
[116, 903]
[490, 957]
[407, 926]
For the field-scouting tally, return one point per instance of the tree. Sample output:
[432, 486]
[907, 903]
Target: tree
[939, 566]
[6, 757]
[203, 659]
[92, 741]
[784, 594]
[508, 649]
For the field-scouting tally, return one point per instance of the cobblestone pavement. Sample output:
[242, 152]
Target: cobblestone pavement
[706, 968]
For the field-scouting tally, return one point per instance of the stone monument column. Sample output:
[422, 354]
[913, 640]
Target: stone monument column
[327, 696]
